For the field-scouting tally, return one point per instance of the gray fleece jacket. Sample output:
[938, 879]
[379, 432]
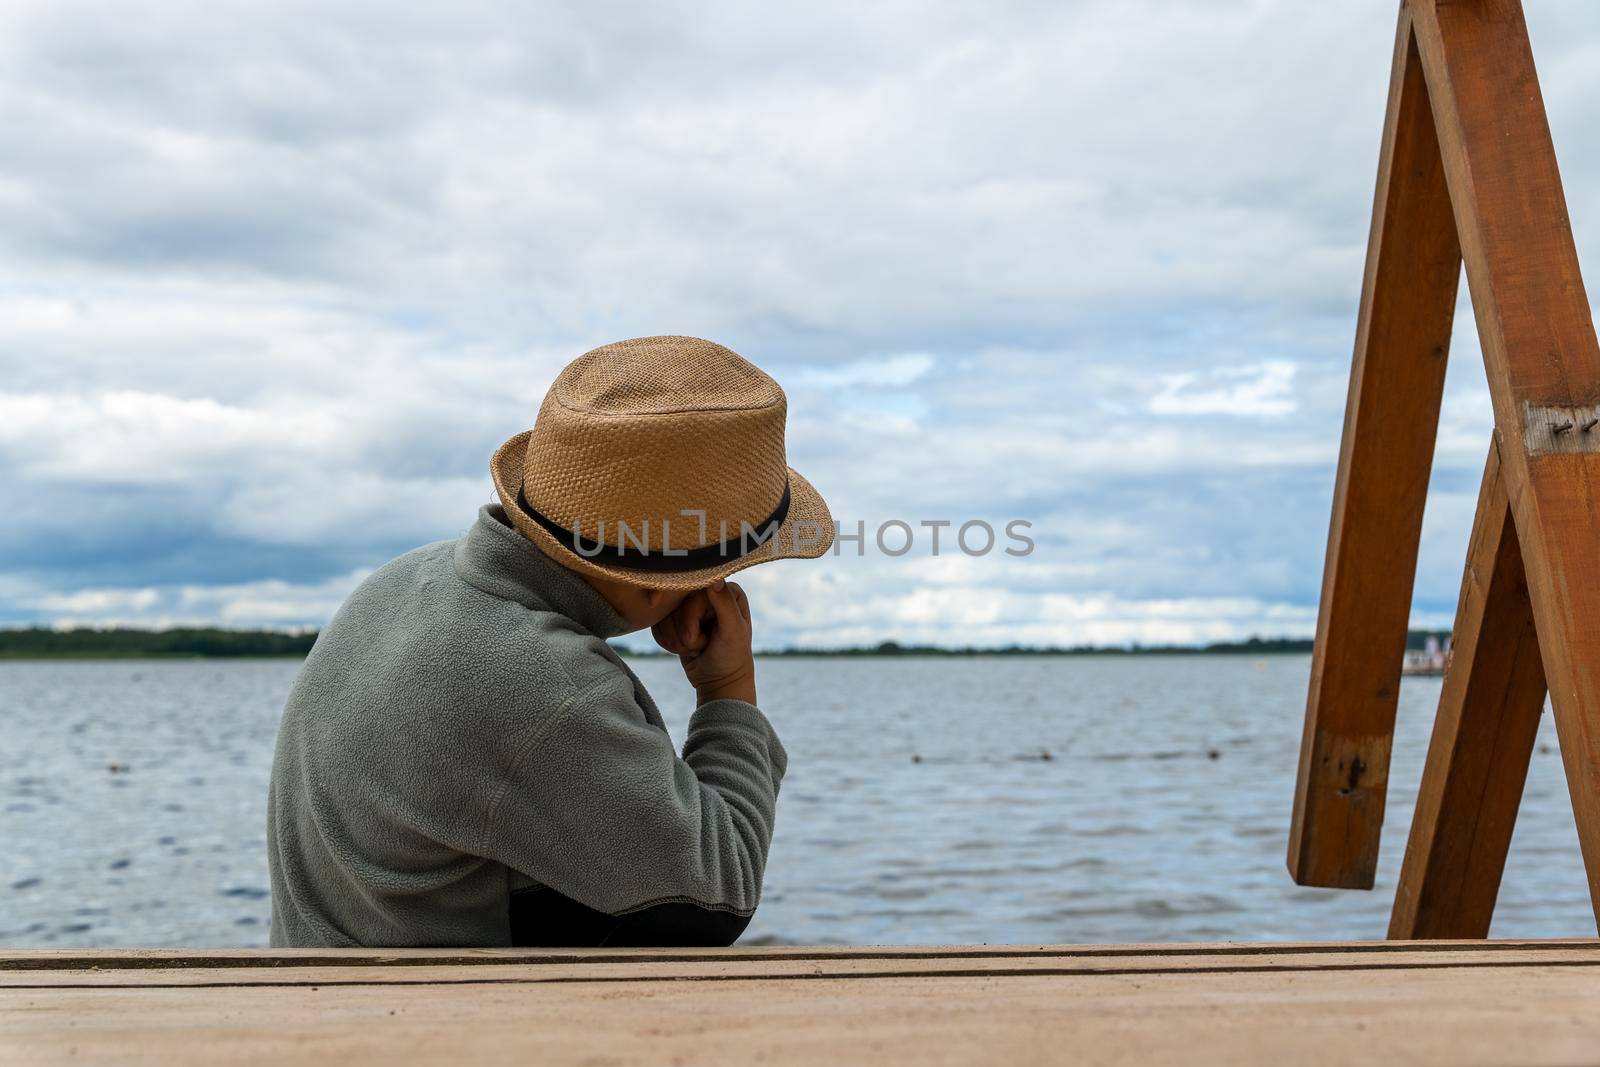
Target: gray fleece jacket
[464, 761]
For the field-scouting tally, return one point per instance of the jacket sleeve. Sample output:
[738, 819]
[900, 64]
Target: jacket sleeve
[599, 808]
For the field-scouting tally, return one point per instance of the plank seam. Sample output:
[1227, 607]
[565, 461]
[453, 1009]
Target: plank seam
[1008, 972]
[104, 963]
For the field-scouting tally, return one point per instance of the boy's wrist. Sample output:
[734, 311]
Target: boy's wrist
[746, 693]
[738, 686]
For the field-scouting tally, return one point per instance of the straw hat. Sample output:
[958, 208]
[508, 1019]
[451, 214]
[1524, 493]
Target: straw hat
[660, 462]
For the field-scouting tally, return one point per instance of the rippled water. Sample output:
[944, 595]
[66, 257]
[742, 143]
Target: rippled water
[950, 800]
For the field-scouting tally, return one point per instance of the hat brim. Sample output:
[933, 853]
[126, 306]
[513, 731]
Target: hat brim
[808, 515]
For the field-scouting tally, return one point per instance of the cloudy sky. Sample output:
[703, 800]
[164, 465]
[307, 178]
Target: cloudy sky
[276, 279]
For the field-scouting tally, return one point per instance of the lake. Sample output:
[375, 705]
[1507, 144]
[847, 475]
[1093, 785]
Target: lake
[960, 800]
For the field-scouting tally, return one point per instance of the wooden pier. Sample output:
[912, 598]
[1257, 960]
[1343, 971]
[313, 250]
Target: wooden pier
[1418, 1002]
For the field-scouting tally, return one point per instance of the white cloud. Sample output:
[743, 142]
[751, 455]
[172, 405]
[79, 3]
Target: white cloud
[1265, 389]
[97, 603]
[144, 438]
[275, 604]
[890, 371]
[343, 506]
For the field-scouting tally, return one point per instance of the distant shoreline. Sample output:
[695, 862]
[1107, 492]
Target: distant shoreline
[891, 649]
[39, 643]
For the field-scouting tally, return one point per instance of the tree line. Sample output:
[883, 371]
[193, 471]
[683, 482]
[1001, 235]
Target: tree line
[41, 643]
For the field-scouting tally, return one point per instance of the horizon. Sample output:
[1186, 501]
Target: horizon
[1263, 642]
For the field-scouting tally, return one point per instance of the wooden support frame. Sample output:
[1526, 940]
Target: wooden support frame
[1408, 302]
[1464, 70]
[1483, 739]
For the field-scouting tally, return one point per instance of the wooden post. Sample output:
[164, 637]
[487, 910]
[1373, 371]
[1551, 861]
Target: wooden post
[1539, 349]
[1465, 110]
[1408, 303]
[1482, 739]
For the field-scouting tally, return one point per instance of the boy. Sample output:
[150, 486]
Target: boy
[463, 759]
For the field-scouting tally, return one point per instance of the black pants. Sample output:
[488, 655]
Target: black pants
[543, 918]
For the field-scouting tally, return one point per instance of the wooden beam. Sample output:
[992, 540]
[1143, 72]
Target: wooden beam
[271, 968]
[1408, 302]
[1260, 1004]
[1483, 739]
[1539, 349]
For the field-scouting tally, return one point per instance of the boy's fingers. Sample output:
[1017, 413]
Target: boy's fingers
[666, 634]
[742, 599]
[733, 613]
[690, 619]
[694, 628]
[683, 621]
[726, 605]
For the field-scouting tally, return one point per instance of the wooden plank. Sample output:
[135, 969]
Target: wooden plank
[725, 967]
[1539, 349]
[1529, 1013]
[1483, 738]
[44, 959]
[1408, 302]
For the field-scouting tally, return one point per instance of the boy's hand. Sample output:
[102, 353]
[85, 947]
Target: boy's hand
[687, 629]
[710, 632]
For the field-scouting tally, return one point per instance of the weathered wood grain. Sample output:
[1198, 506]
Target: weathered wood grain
[171, 959]
[1483, 738]
[1486, 1003]
[1408, 302]
[747, 965]
[1539, 349]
